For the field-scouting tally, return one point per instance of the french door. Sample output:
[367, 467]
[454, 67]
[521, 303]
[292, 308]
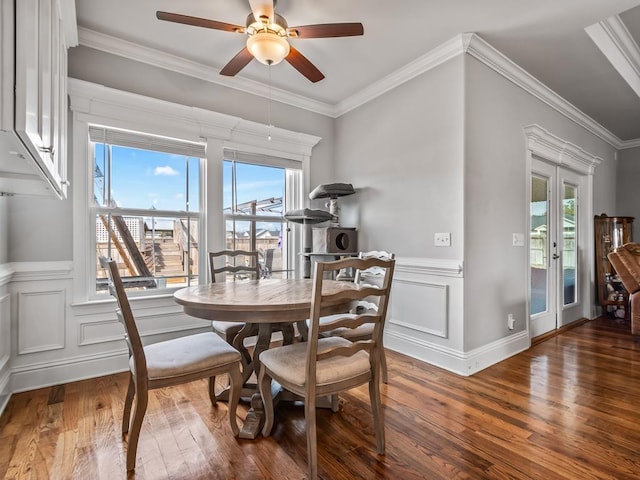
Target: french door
[556, 273]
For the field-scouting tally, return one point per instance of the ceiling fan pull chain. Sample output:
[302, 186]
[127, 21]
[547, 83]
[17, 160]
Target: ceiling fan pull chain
[269, 107]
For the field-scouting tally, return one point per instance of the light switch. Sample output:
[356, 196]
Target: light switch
[442, 239]
[518, 239]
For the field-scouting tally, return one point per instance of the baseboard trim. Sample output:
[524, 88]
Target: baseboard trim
[461, 363]
[34, 376]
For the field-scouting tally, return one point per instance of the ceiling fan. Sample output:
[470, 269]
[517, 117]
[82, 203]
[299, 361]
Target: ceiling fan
[268, 35]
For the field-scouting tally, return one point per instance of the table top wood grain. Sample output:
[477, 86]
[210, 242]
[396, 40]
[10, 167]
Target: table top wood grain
[264, 301]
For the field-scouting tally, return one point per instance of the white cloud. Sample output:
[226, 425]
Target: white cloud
[166, 171]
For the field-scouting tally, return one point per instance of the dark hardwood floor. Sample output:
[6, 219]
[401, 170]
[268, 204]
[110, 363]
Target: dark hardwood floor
[568, 408]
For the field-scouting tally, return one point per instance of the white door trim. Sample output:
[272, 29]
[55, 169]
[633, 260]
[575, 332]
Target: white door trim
[544, 145]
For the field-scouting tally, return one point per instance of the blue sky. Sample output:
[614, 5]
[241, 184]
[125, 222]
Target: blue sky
[145, 179]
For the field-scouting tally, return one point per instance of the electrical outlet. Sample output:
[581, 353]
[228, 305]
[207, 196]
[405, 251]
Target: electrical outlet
[442, 239]
[510, 321]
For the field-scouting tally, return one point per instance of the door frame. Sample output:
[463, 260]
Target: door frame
[545, 146]
[557, 313]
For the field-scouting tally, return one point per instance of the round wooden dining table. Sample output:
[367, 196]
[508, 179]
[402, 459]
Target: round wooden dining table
[261, 305]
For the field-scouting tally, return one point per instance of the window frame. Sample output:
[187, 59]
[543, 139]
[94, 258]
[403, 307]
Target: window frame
[95, 104]
[293, 178]
[111, 137]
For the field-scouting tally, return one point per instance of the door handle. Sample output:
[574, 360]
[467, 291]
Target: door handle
[555, 256]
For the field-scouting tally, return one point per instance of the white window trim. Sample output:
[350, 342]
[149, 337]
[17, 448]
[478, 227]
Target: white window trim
[96, 104]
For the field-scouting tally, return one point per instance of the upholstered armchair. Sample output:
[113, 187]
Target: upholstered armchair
[626, 262]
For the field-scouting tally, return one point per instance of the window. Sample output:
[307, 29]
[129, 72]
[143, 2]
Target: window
[146, 208]
[257, 192]
[189, 139]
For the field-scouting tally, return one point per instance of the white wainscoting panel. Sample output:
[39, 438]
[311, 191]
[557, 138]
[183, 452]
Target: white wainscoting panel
[425, 319]
[99, 332]
[420, 306]
[5, 332]
[41, 321]
[5, 349]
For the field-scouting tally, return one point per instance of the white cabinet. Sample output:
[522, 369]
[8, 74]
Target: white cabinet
[34, 97]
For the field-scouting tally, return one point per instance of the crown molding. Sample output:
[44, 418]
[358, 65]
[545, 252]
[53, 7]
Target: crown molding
[446, 51]
[492, 58]
[630, 144]
[167, 61]
[469, 43]
[618, 46]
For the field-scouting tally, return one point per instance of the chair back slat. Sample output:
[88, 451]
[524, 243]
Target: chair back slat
[350, 321]
[349, 351]
[252, 269]
[372, 276]
[380, 294]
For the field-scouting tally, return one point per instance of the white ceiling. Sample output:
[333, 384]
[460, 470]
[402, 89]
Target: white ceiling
[545, 37]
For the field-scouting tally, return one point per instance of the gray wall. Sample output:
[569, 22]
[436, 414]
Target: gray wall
[403, 152]
[41, 229]
[495, 204]
[628, 187]
[130, 76]
[446, 152]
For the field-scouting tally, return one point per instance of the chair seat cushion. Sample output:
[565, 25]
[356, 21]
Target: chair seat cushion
[289, 363]
[188, 355]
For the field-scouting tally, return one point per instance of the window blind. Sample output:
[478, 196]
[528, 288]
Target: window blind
[145, 141]
[259, 159]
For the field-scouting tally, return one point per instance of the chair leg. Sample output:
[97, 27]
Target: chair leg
[312, 439]
[335, 403]
[376, 407]
[126, 413]
[235, 387]
[264, 384]
[212, 391]
[139, 410]
[383, 366]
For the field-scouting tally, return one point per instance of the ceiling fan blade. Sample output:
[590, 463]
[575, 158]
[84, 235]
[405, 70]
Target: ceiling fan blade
[303, 65]
[237, 63]
[261, 8]
[327, 30]
[198, 22]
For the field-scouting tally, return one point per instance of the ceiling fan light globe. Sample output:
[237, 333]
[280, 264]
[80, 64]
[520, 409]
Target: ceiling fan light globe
[268, 48]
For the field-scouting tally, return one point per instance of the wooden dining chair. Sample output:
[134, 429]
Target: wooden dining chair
[325, 366]
[370, 276]
[374, 276]
[171, 362]
[242, 265]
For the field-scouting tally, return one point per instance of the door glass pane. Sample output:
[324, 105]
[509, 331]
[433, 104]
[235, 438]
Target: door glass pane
[538, 241]
[569, 243]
